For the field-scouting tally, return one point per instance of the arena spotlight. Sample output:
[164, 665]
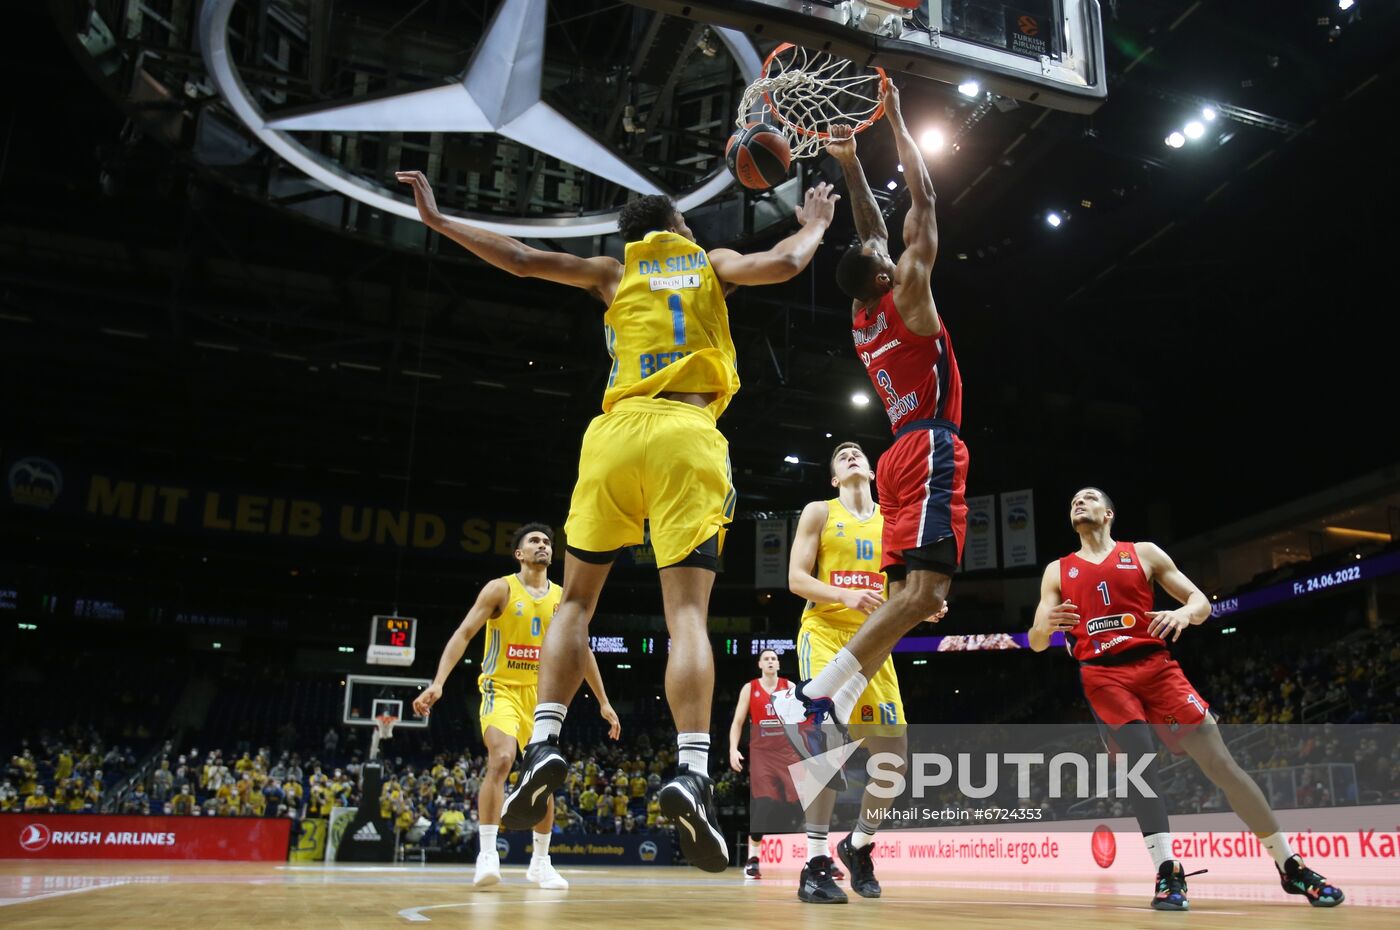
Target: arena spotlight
[972, 88]
[791, 459]
[931, 141]
[1176, 140]
[1053, 219]
[828, 435]
[860, 398]
[1345, 5]
[1208, 114]
[892, 184]
[1195, 129]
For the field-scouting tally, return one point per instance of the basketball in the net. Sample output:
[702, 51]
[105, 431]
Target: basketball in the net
[758, 156]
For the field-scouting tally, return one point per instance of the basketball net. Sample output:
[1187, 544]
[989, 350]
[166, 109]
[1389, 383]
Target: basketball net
[809, 92]
[383, 729]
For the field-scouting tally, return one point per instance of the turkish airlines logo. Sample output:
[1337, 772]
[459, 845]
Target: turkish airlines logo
[34, 837]
[526, 653]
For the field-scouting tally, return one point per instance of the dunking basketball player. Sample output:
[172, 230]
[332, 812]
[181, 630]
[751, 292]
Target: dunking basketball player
[1100, 597]
[653, 457]
[835, 564]
[903, 343]
[516, 611]
[771, 791]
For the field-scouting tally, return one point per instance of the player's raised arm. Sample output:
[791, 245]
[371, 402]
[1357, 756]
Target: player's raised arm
[1195, 606]
[597, 275]
[789, 256]
[736, 730]
[489, 603]
[1053, 613]
[803, 562]
[870, 223]
[911, 281]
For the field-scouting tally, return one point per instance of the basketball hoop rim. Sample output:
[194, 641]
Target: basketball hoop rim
[860, 127]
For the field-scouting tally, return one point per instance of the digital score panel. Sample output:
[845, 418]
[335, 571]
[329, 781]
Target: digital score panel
[392, 640]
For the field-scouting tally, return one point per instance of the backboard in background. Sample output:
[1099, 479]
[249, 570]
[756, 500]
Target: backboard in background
[369, 696]
[1047, 52]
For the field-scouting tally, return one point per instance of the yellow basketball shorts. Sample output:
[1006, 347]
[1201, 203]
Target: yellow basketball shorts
[509, 708]
[880, 710]
[657, 461]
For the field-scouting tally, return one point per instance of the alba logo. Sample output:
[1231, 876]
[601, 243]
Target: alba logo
[647, 851]
[1104, 846]
[34, 837]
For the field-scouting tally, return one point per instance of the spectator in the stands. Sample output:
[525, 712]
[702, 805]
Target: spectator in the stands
[39, 801]
[162, 782]
[137, 802]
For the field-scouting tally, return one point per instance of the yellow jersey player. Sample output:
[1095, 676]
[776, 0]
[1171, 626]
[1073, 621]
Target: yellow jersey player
[516, 612]
[835, 565]
[653, 463]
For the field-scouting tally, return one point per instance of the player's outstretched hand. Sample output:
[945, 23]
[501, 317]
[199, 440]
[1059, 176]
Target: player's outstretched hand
[818, 206]
[423, 703]
[422, 195]
[614, 725]
[736, 759]
[1168, 621]
[841, 142]
[867, 602]
[889, 99]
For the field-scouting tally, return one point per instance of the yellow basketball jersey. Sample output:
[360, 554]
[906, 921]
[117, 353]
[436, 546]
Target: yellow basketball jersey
[668, 326]
[848, 556]
[513, 639]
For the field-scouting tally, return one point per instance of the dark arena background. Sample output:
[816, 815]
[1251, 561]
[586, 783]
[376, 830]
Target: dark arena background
[250, 406]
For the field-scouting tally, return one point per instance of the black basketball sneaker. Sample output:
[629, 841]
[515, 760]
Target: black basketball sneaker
[751, 871]
[862, 866]
[542, 770]
[689, 800]
[816, 885]
[1299, 879]
[1171, 888]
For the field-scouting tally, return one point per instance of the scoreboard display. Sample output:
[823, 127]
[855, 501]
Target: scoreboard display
[392, 640]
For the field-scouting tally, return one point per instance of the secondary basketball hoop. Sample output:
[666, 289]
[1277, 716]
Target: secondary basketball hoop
[807, 92]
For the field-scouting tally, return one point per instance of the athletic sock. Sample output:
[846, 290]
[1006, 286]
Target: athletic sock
[694, 752]
[541, 845]
[836, 673]
[816, 840]
[1277, 845]
[844, 701]
[549, 720]
[1159, 847]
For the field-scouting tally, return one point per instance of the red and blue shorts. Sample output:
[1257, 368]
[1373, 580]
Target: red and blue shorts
[922, 482]
[1152, 689]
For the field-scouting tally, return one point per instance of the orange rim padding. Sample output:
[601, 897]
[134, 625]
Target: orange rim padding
[860, 127]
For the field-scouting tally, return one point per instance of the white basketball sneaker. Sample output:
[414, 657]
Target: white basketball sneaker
[542, 871]
[488, 868]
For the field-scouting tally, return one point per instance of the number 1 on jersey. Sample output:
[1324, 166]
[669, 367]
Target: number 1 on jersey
[677, 318]
[1103, 589]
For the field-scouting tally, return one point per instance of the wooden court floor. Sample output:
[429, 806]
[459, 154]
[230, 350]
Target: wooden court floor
[215, 896]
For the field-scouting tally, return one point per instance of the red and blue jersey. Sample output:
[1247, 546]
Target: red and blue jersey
[916, 377]
[1113, 599]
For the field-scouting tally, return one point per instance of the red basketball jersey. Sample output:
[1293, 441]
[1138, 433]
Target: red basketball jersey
[1113, 599]
[761, 705]
[915, 377]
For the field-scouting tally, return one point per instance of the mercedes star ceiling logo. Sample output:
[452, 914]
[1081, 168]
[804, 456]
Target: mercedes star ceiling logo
[500, 93]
